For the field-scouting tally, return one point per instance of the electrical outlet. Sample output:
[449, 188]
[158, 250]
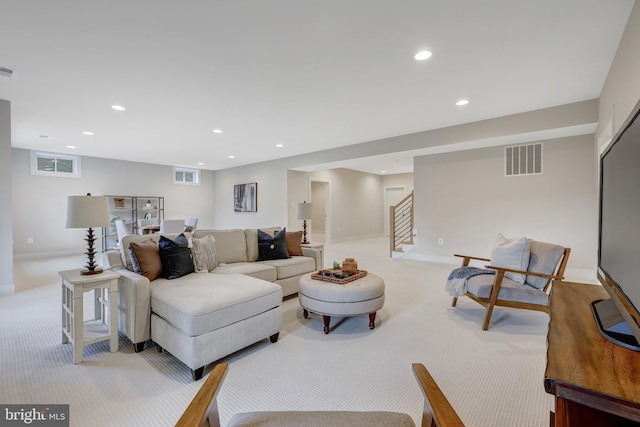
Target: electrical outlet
[29, 240]
[440, 241]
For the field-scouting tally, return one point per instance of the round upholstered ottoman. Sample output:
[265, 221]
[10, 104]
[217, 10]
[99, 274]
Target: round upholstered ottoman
[362, 296]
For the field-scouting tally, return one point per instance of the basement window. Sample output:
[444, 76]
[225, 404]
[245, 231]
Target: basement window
[186, 176]
[54, 164]
[523, 160]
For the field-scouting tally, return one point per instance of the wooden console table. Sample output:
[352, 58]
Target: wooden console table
[595, 382]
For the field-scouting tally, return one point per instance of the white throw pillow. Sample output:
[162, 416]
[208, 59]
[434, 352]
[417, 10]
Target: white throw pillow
[511, 253]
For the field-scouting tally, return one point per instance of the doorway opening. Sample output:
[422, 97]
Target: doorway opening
[320, 221]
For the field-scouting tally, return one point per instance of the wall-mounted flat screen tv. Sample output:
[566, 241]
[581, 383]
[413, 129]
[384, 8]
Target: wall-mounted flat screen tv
[619, 242]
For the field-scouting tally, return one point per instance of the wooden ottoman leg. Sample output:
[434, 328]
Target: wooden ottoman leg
[274, 337]
[326, 320]
[372, 320]
[305, 313]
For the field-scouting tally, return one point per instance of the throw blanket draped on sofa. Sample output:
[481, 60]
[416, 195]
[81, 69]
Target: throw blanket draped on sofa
[457, 281]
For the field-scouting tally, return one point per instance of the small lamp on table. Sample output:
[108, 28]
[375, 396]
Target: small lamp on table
[304, 212]
[88, 212]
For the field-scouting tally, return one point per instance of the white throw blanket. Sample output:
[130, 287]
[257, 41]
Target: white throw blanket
[457, 281]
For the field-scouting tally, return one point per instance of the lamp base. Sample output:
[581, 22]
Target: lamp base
[91, 267]
[304, 233]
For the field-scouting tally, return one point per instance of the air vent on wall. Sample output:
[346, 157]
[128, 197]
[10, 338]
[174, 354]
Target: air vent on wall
[523, 159]
[6, 72]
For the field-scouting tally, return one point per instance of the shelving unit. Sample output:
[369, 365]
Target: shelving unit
[131, 209]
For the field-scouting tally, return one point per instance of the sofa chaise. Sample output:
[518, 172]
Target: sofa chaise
[203, 316]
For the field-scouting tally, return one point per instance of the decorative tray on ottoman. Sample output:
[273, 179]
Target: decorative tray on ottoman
[336, 275]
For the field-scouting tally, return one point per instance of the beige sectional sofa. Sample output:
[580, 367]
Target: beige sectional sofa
[202, 317]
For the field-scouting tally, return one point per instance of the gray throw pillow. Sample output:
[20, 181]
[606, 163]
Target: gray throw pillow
[544, 259]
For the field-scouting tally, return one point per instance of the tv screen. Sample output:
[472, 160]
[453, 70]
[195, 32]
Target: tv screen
[619, 246]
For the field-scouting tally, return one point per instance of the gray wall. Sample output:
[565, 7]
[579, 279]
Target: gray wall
[621, 90]
[6, 219]
[354, 207]
[39, 202]
[272, 195]
[398, 180]
[465, 199]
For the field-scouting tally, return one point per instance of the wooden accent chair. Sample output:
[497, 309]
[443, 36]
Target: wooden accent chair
[203, 410]
[498, 290]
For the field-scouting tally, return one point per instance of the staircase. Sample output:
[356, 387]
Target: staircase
[401, 226]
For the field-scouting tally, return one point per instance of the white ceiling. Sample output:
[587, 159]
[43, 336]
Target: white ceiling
[308, 75]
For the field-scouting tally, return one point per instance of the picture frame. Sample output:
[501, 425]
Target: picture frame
[245, 197]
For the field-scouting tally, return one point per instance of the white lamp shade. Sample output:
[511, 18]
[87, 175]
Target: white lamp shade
[87, 212]
[304, 211]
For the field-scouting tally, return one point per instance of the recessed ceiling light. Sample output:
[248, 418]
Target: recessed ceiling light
[71, 146]
[383, 171]
[118, 107]
[87, 133]
[279, 145]
[232, 157]
[422, 55]
[217, 131]
[201, 163]
[462, 102]
[43, 136]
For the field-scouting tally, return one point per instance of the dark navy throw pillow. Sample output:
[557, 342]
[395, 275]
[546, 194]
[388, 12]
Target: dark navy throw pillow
[175, 257]
[272, 247]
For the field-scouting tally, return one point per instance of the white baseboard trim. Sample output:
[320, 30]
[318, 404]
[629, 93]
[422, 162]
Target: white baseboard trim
[432, 258]
[8, 289]
[349, 239]
[38, 255]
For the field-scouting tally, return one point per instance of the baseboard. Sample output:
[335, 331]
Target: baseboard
[431, 258]
[54, 254]
[352, 238]
[8, 289]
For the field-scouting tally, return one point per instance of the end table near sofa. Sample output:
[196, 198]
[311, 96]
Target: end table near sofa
[104, 326]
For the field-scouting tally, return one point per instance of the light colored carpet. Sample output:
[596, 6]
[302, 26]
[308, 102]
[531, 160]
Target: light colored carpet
[492, 378]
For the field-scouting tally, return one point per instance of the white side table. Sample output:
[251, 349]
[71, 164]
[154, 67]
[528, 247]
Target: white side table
[319, 247]
[105, 324]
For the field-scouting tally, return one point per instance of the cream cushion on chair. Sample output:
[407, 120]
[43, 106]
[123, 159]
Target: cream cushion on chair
[482, 285]
[320, 419]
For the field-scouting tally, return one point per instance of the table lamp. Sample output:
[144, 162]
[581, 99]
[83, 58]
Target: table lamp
[88, 212]
[304, 211]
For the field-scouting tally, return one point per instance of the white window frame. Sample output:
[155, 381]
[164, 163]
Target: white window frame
[195, 172]
[77, 164]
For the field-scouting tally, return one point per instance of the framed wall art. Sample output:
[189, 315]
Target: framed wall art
[245, 197]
